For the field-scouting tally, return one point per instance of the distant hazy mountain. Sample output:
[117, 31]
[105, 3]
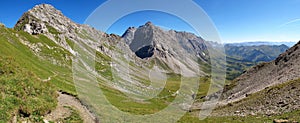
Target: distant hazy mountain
[255, 53]
[258, 43]
[282, 73]
[241, 58]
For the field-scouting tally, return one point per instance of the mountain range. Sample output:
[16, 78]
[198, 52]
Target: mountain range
[46, 43]
[258, 43]
[268, 88]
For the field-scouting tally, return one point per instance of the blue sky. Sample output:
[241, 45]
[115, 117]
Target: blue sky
[236, 20]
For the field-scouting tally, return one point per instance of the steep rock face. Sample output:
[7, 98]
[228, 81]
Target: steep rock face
[180, 51]
[145, 52]
[129, 35]
[285, 68]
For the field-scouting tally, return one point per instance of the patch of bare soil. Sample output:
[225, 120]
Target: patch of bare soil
[61, 112]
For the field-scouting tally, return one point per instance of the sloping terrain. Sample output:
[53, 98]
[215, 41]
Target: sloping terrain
[240, 58]
[284, 68]
[22, 93]
[277, 99]
[44, 42]
[39, 55]
[236, 67]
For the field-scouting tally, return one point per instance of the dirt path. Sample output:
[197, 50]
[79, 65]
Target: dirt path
[62, 112]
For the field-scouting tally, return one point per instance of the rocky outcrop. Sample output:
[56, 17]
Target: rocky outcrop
[31, 25]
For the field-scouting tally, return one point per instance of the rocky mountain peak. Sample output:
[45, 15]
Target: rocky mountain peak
[45, 8]
[149, 23]
[45, 18]
[170, 47]
[154, 37]
[129, 35]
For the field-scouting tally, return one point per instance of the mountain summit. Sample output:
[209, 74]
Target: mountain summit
[175, 49]
[38, 19]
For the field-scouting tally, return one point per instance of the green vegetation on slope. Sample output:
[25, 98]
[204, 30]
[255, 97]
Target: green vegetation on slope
[236, 67]
[23, 94]
[11, 46]
[41, 64]
[241, 58]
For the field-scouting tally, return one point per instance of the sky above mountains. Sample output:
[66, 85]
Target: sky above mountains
[236, 20]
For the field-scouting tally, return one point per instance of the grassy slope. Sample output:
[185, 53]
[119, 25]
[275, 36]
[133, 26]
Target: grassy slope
[10, 46]
[22, 93]
[236, 67]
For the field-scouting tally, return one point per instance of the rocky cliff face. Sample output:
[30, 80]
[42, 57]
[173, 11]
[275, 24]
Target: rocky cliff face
[285, 68]
[178, 50]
